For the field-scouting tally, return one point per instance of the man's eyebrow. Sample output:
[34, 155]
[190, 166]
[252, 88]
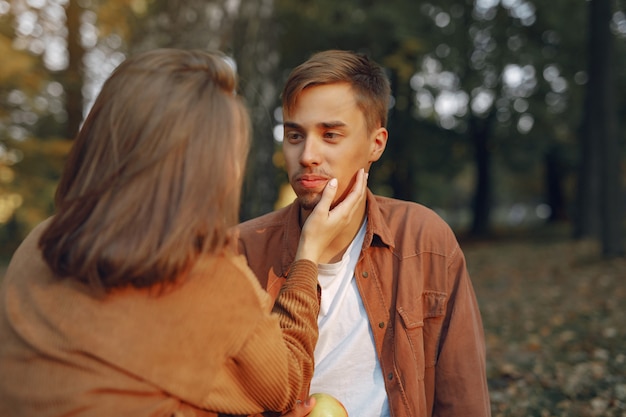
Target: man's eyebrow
[333, 124]
[292, 125]
[325, 125]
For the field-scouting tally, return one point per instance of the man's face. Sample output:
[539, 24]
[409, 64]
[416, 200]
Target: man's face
[326, 137]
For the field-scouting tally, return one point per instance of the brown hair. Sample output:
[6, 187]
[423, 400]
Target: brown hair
[367, 79]
[154, 176]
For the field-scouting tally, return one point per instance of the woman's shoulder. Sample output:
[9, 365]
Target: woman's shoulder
[27, 258]
[230, 272]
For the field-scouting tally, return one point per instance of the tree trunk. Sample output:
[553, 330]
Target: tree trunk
[600, 193]
[255, 48]
[479, 130]
[248, 33]
[402, 178]
[554, 185]
[74, 74]
[606, 125]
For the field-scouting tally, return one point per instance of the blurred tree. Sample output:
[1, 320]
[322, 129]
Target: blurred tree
[73, 75]
[255, 49]
[247, 31]
[485, 91]
[19, 77]
[474, 82]
[601, 198]
[559, 97]
[46, 44]
[507, 95]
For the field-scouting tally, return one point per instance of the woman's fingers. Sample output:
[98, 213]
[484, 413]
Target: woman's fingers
[328, 195]
[302, 409]
[351, 203]
[323, 224]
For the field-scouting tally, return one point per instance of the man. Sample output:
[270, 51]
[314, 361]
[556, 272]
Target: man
[400, 330]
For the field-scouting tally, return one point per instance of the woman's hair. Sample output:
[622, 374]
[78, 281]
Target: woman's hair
[366, 78]
[154, 176]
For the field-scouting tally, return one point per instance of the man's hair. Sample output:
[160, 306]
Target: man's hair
[154, 176]
[366, 78]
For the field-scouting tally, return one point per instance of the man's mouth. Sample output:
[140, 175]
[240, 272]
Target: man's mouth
[312, 181]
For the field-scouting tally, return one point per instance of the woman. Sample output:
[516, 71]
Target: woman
[130, 299]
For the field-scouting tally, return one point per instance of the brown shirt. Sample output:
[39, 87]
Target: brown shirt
[209, 343]
[421, 306]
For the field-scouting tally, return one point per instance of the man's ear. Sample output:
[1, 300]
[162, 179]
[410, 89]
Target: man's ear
[378, 144]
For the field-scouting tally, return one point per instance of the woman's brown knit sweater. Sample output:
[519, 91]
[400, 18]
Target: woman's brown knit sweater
[208, 344]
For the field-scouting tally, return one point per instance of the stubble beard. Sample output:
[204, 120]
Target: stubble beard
[309, 201]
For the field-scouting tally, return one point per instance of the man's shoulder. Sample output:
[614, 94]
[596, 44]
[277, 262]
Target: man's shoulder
[266, 243]
[415, 226]
[392, 207]
[277, 218]
[272, 226]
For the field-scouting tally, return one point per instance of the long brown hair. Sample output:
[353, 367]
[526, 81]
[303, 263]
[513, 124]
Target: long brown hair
[367, 79]
[154, 176]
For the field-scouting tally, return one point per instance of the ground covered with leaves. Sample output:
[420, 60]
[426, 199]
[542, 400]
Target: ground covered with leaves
[554, 314]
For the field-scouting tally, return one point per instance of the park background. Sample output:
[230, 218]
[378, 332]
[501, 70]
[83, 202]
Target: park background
[507, 119]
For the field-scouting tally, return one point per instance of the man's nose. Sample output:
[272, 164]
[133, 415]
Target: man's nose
[310, 152]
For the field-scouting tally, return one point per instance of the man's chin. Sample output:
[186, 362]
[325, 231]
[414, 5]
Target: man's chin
[308, 202]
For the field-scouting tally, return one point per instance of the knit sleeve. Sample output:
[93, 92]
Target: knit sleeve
[297, 306]
[276, 361]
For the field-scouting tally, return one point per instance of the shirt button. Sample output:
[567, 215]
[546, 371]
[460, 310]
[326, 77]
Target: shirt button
[381, 324]
[390, 376]
[364, 274]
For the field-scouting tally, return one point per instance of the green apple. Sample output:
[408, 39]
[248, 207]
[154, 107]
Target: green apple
[327, 406]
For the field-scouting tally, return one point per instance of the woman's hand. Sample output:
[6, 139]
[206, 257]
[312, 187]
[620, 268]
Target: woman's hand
[301, 409]
[323, 224]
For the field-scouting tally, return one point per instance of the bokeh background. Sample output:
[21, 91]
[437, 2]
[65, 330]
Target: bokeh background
[507, 119]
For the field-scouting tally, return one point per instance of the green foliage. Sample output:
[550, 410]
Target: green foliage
[28, 197]
[463, 49]
[430, 49]
[377, 28]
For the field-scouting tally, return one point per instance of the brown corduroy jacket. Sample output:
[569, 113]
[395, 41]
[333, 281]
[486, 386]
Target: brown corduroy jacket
[208, 344]
[421, 306]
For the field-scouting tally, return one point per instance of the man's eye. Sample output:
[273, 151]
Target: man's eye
[292, 136]
[331, 135]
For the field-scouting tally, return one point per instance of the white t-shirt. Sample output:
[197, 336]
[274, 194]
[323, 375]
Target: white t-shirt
[346, 364]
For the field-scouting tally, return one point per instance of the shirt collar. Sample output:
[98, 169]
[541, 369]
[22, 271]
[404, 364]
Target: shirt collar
[376, 227]
[376, 224]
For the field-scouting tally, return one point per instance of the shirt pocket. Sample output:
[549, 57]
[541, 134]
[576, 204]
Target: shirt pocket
[409, 343]
[434, 304]
[422, 323]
